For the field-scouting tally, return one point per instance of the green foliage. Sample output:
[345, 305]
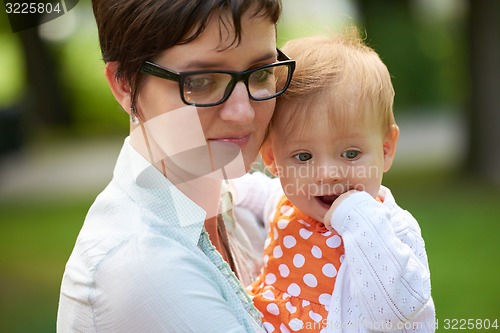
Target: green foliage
[95, 111]
[11, 80]
[426, 56]
[409, 68]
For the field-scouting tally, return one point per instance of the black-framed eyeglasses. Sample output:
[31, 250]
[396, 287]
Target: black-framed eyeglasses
[213, 87]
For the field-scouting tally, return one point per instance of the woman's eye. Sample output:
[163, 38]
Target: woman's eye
[350, 154]
[303, 157]
[199, 83]
[261, 76]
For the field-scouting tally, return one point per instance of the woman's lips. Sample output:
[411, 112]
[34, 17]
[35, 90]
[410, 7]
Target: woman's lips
[239, 140]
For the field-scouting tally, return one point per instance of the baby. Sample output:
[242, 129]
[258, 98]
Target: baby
[340, 255]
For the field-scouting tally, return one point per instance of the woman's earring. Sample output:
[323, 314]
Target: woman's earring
[133, 116]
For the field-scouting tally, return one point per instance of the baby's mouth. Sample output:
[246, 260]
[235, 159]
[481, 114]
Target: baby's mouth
[327, 200]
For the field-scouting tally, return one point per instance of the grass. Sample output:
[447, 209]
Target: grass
[459, 221]
[36, 239]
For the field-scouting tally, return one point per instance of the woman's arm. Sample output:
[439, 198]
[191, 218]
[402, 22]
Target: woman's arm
[158, 286]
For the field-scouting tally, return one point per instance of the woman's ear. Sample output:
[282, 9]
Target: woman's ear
[119, 87]
[390, 143]
[268, 157]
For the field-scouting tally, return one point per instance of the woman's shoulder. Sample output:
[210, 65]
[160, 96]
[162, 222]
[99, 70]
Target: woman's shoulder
[117, 229]
[121, 277]
[103, 254]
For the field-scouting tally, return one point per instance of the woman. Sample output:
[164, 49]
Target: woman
[197, 78]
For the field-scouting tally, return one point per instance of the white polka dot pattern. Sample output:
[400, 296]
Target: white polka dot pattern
[299, 260]
[300, 273]
[284, 270]
[329, 270]
[310, 280]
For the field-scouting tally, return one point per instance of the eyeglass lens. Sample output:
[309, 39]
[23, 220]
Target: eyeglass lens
[209, 88]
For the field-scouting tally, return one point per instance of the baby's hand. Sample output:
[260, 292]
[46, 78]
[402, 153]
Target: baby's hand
[328, 216]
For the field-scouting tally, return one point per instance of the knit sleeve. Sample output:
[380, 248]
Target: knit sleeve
[386, 264]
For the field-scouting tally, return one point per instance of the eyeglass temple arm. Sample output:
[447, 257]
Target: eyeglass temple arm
[156, 70]
[282, 56]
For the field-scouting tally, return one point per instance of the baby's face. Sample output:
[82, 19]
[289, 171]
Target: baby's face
[319, 164]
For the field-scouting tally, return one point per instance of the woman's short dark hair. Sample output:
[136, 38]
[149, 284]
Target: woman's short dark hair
[132, 31]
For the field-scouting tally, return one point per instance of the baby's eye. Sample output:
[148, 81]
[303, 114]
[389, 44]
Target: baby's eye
[350, 154]
[303, 157]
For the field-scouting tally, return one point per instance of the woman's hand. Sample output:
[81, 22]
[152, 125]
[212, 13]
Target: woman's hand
[328, 216]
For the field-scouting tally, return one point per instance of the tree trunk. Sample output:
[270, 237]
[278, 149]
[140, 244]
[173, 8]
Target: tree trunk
[484, 105]
[45, 101]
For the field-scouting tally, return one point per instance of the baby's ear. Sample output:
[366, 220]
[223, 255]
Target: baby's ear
[390, 143]
[268, 157]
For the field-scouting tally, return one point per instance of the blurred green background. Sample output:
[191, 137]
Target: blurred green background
[61, 131]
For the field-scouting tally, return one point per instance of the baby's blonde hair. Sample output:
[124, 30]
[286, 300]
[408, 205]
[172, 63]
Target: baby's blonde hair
[339, 73]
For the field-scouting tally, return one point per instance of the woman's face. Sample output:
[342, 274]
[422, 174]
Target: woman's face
[231, 131]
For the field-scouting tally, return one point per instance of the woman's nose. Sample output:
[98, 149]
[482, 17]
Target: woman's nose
[237, 108]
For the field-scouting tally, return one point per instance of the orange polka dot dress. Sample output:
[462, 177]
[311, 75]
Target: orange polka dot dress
[301, 260]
